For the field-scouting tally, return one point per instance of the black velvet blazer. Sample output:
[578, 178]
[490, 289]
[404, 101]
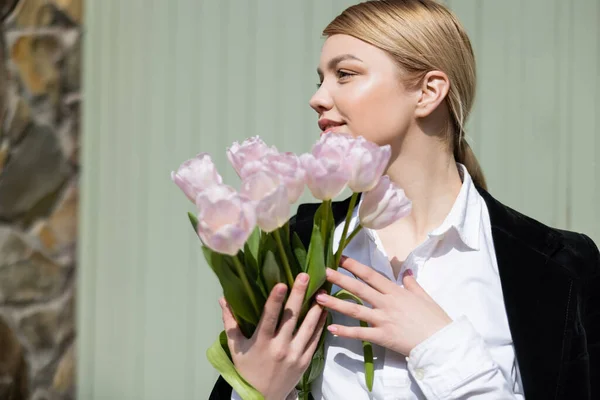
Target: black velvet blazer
[551, 284]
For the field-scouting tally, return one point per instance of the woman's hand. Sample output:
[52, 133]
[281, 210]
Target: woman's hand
[275, 357]
[401, 317]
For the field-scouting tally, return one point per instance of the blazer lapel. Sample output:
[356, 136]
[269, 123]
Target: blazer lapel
[302, 223]
[537, 297]
[536, 289]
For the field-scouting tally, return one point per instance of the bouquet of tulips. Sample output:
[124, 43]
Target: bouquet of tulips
[246, 237]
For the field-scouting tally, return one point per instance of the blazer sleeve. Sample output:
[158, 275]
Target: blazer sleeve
[591, 317]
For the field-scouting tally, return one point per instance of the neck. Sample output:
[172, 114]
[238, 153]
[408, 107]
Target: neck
[427, 173]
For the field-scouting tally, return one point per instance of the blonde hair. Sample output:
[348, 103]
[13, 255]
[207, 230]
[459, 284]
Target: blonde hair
[422, 36]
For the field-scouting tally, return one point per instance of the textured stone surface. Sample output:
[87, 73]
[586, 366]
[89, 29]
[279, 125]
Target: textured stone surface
[33, 13]
[35, 170]
[59, 231]
[13, 373]
[47, 326]
[18, 117]
[27, 275]
[40, 74]
[64, 378]
[71, 8]
[3, 154]
[34, 57]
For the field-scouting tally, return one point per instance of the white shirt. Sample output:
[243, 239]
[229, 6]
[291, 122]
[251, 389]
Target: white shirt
[473, 357]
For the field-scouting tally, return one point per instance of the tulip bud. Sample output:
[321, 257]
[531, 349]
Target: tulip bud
[252, 149]
[383, 205]
[225, 219]
[270, 198]
[327, 168]
[367, 161]
[195, 175]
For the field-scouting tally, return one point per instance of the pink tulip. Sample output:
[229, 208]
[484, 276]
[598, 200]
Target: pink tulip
[383, 205]
[251, 149]
[270, 198]
[195, 175]
[287, 167]
[225, 219]
[368, 161]
[327, 167]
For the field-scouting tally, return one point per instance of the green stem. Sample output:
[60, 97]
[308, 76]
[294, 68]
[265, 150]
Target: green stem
[343, 241]
[246, 284]
[324, 219]
[282, 253]
[354, 233]
[304, 387]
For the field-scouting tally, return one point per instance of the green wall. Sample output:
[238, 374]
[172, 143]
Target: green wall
[165, 79]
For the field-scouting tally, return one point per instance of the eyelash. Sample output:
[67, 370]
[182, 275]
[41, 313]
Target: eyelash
[340, 74]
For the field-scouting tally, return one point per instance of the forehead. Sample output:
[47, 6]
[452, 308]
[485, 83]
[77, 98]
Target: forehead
[336, 46]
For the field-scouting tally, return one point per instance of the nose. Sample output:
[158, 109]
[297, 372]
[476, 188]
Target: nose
[321, 101]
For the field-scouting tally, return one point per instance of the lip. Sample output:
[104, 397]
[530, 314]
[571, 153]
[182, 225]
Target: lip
[328, 124]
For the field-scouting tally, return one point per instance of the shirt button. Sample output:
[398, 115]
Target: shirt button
[419, 374]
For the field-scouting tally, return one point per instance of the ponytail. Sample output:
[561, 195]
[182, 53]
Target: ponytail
[465, 155]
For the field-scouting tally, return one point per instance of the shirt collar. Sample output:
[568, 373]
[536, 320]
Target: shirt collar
[464, 217]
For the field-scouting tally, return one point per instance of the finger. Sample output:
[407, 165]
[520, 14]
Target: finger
[353, 285]
[367, 275]
[351, 309]
[307, 329]
[293, 305]
[314, 339]
[232, 329]
[410, 283]
[270, 316]
[355, 332]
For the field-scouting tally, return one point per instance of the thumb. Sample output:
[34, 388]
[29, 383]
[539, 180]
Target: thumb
[232, 329]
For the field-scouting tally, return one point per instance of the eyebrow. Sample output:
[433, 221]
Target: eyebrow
[336, 60]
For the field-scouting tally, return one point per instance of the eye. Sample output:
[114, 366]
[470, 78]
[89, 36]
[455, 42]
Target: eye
[344, 75]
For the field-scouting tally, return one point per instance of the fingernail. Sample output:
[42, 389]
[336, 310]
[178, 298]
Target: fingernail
[321, 298]
[328, 271]
[281, 290]
[342, 259]
[332, 328]
[408, 272]
[222, 302]
[303, 278]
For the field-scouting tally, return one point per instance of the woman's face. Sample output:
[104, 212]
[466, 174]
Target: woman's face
[361, 92]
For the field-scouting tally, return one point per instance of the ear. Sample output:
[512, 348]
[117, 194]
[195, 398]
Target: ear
[434, 89]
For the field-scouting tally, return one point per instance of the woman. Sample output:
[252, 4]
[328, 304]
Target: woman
[468, 298]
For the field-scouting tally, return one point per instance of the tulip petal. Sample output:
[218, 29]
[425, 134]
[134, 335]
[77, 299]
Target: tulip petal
[196, 175]
[383, 205]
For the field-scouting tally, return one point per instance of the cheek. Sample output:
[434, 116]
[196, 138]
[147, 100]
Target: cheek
[380, 112]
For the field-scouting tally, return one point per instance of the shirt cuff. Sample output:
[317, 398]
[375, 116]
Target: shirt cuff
[451, 357]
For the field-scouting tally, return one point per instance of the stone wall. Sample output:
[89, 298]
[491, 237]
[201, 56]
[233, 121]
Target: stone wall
[39, 110]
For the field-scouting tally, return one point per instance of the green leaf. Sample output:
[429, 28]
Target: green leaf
[315, 265]
[251, 249]
[268, 243]
[271, 271]
[299, 251]
[317, 363]
[219, 359]
[367, 346]
[194, 221]
[284, 234]
[233, 288]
